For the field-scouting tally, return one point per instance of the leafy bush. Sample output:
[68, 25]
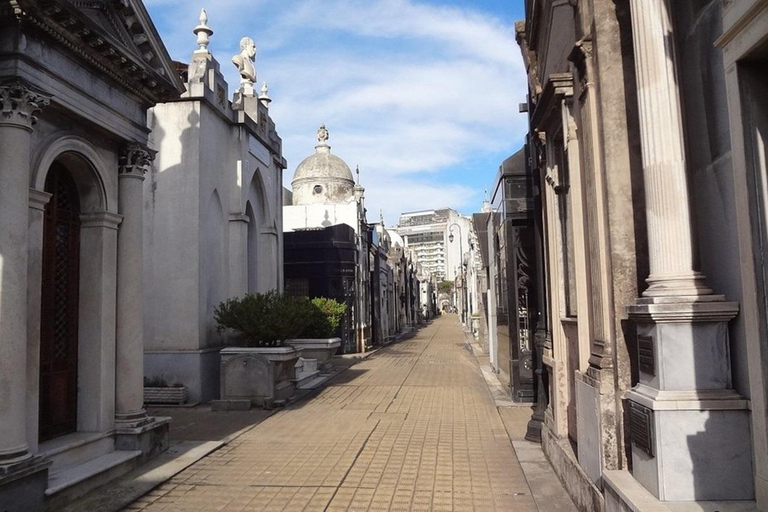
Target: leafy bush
[268, 319]
[264, 319]
[325, 319]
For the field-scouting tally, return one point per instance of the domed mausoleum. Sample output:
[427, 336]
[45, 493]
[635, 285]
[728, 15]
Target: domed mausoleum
[323, 178]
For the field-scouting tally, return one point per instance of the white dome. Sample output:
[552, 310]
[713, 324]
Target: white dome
[323, 165]
[322, 177]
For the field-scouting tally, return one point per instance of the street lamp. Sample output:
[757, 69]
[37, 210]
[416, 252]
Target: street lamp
[463, 273]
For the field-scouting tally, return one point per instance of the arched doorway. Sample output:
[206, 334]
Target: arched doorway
[59, 308]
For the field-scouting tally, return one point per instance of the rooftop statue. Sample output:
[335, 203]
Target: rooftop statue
[244, 61]
[322, 134]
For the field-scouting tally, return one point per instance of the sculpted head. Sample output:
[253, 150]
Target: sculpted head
[248, 48]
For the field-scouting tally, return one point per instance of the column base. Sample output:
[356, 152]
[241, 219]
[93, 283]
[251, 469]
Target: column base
[698, 448]
[690, 430]
[533, 431]
[23, 484]
[131, 420]
[151, 438]
[684, 285]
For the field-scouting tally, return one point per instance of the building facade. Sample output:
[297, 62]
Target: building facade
[507, 272]
[427, 233]
[324, 194]
[213, 194]
[647, 123]
[73, 155]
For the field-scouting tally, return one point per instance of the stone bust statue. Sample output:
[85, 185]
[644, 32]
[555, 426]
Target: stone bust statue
[244, 61]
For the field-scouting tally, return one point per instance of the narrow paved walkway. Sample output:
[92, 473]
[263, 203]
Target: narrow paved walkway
[413, 427]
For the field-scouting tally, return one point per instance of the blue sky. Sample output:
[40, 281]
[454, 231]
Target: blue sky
[422, 94]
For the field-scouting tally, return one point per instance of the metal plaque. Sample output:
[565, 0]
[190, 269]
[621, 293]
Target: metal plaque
[646, 360]
[641, 427]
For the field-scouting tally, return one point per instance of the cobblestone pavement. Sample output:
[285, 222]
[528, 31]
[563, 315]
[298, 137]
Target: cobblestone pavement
[412, 427]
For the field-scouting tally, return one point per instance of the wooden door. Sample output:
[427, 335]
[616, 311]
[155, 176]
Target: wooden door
[59, 321]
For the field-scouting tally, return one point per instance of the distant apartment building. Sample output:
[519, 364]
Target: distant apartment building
[427, 233]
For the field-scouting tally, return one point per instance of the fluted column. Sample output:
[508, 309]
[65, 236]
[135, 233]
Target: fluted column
[670, 237]
[19, 105]
[129, 353]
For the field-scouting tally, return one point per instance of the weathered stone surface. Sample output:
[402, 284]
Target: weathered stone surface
[261, 375]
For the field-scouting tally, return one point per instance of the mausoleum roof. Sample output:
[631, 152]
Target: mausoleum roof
[323, 165]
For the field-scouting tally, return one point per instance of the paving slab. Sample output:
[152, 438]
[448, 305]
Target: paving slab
[412, 427]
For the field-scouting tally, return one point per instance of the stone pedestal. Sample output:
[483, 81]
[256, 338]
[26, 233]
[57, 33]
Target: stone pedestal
[151, 439]
[690, 429]
[23, 484]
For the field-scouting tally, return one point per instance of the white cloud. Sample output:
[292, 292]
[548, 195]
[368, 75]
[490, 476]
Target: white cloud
[408, 90]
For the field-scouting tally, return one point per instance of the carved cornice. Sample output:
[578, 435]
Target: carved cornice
[134, 160]
[20, 103]
[143, 73]
[558, 86]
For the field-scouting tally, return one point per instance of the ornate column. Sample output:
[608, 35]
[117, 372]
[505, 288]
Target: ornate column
[19, 105]
[670, 239]
[134, 160]
[689, 428]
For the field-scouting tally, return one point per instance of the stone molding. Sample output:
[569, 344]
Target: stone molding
[53, 146]
[38, 199]
[693, 399]
[20, 104]
[134, 160]
[106, 220]
[684, 312]
[126, 423]
[239, 217]
[147, 74]
[735, 27]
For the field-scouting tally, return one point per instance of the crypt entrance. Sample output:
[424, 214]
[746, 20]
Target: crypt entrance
[59, 306]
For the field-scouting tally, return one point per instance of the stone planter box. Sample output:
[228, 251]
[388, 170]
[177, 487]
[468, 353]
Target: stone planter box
[259, 375]
[322, 349]
[166, 395]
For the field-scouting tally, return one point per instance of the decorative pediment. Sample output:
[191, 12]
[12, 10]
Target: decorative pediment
[115, 36]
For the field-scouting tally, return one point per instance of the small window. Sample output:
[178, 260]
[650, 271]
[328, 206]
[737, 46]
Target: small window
[318, 189]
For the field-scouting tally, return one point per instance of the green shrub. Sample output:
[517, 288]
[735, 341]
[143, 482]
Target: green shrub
[325, 319]
[264, 319]
[268, 319]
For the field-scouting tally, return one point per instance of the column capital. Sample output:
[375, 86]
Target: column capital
[20, 103]
[134, 160]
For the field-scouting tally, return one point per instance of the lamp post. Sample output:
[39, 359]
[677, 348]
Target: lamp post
[463, 273]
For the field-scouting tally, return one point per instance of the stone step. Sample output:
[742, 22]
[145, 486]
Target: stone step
[75, 481]
[74, 449]
[314, 383]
